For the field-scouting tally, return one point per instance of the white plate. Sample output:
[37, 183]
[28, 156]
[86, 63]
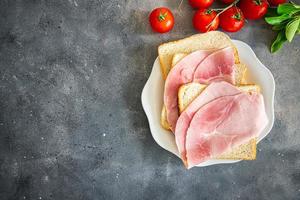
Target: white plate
[152, 99]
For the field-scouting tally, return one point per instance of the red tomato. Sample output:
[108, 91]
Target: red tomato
[227, 1]
[200, 3]
[276, 2]
[254, 9]
[232, 20]
[161, 20]
[205, 20]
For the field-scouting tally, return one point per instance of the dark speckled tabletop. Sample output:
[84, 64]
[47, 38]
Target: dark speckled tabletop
[71, 121]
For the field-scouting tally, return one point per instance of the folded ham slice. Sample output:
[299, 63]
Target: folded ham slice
[213, 65]
[213, 91]
[181, 73]
[223, 124]
[216, 67]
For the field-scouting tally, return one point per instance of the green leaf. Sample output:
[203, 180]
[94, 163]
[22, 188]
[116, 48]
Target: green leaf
[291, 29]
[286, 8]
[295, 13]
[277, 44]
[277, 20]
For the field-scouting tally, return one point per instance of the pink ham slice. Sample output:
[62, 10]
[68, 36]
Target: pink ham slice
[213, 91]
[217, 65]
[181, 73]
[223, 124]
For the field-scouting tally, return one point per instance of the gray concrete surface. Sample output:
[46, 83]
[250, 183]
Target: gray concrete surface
[71, 121]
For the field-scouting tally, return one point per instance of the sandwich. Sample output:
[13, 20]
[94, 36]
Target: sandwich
[192, 83]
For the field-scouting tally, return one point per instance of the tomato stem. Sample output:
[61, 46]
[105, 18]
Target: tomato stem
[223, 10]
[237, 16]
[257, 2]
[208, 11]
[162, 16]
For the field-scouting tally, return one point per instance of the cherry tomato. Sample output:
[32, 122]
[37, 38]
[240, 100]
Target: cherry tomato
[276, 2]
[200, 3]
[232, 20]
[254, 9]
[161, 20]
[205, 20]
[227, 1]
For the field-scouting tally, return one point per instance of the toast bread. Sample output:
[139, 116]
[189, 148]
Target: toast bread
[207, 41]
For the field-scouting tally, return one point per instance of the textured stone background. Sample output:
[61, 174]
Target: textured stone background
[71, 121]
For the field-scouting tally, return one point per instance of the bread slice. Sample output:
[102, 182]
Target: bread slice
[176, 58]
[245, 151]
[163, 119]
[240, 71]
[187, 93]
[205, 41]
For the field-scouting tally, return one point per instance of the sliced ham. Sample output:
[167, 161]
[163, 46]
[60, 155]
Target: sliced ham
[217, 66]
[181, 73]
[187, 71]
[213, 91]
[223, 124]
